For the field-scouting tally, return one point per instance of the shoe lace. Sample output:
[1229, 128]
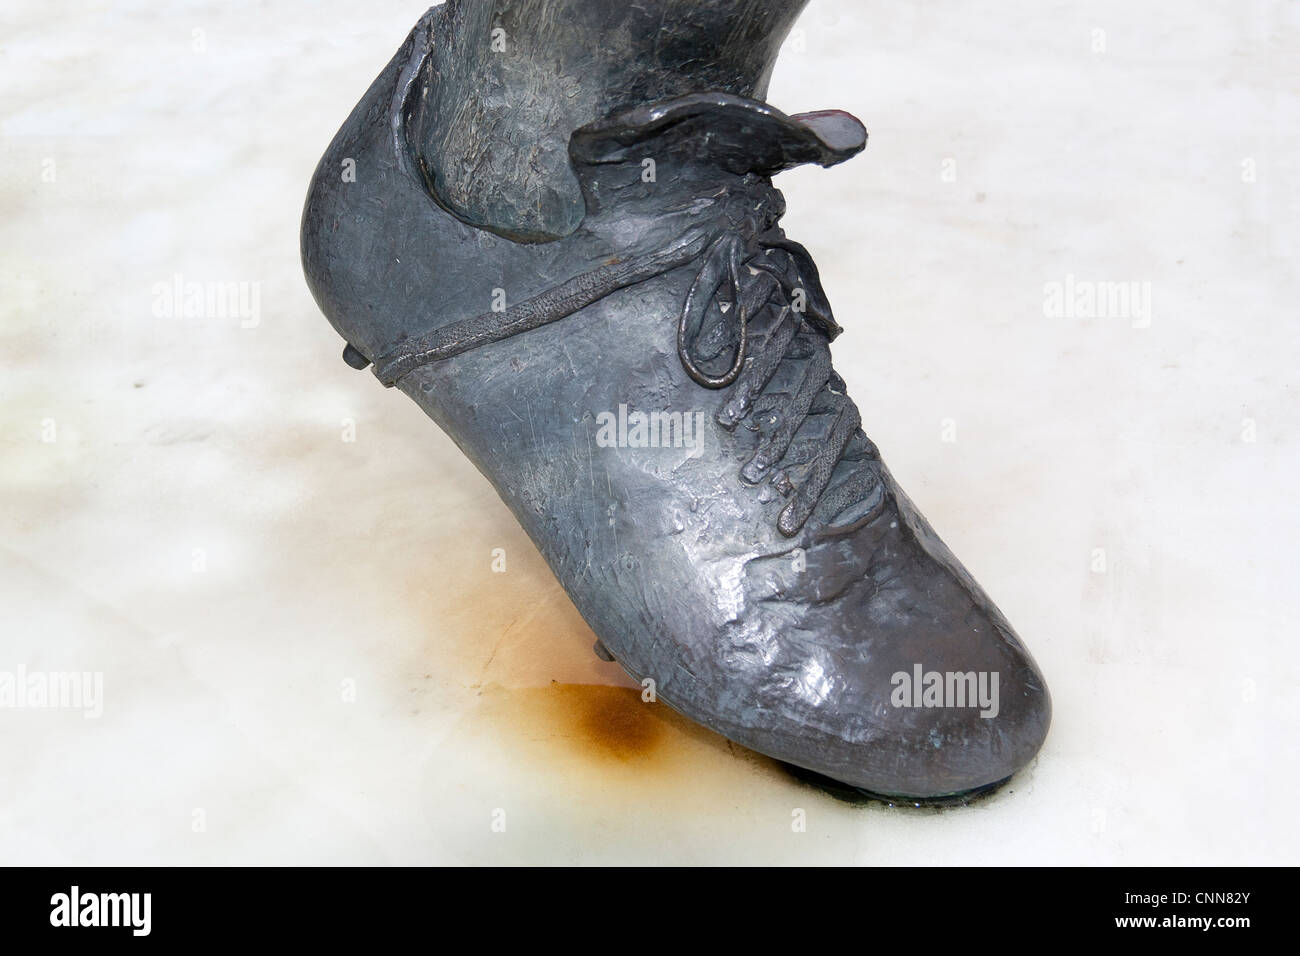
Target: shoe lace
[759, 294]
[772, 312]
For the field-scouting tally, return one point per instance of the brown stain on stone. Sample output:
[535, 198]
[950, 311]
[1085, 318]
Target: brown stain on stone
[612, 722]
[605, 744]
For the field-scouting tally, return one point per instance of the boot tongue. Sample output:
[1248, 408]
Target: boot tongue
[734, 133]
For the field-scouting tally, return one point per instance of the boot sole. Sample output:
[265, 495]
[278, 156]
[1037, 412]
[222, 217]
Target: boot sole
[858, 796]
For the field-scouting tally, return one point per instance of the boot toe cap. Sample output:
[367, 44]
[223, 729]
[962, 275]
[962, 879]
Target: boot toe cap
[909, 681]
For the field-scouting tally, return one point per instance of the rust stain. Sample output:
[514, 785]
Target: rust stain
[596, 736]
[612, 722]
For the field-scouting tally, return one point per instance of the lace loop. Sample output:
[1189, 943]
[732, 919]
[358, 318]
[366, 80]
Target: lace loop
[723, 258]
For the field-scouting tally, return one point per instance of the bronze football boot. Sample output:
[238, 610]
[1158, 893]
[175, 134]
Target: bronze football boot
[565, 207]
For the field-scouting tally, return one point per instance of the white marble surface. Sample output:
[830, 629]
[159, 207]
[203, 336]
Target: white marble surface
[305, 654]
